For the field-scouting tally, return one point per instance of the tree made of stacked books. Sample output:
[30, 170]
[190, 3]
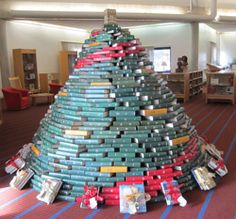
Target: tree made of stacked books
[115, 122]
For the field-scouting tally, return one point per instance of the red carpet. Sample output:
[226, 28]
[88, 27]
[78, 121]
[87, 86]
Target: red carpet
[215, 121]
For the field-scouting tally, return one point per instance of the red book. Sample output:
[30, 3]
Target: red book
[141, 48]
[115, 55]
[96, 32]
[132, 51]
[112, 202]
[124, 44]
[114, 190]
[137, 178]
[102, 52]
[158, 172]
[129, 183]
[110, 196]
[170, 175]
[152, 187]
[93, 56]
[112, 48]
[102, 59]
[158, 181]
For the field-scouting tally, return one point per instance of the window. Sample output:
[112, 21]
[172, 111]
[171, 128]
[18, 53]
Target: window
[161, 59]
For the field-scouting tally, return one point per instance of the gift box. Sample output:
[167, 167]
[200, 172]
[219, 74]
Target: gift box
[172, 193]
[204, 178]
[21, 178]
[25, 150]
[133, 199]
[213, 151]
[15, 163]
[49, 191]
[90, 198]
[218, 166]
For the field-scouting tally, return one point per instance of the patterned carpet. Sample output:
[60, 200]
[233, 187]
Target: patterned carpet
[216, 121]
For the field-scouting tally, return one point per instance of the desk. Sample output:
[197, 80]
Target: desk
[41, 98]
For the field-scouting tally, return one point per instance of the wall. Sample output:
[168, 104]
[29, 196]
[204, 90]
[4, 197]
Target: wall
[227, 48]
[3, 57]
[177, 36]
[46, 39]
[206, 36]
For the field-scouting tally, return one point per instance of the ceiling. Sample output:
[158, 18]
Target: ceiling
[23, 9]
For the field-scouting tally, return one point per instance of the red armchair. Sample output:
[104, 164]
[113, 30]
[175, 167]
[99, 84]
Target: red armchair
[54, 88]
[16, 98]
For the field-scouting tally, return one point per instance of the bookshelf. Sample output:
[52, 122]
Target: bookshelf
[184, 85]
[221, 86]
[25, 67]
[67, 60]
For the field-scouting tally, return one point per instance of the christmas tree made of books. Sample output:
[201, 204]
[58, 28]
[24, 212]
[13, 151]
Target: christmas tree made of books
[115, 122]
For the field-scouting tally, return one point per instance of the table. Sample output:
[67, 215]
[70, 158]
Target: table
[41, 98]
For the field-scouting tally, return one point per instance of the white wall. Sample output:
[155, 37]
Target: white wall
[177, 36]
[206, 36]
[45, 39]
[227, 48]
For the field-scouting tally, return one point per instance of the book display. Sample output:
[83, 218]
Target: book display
[114, 130]
[25, 67]
[184, 85]
[67, 62]
[221, 86]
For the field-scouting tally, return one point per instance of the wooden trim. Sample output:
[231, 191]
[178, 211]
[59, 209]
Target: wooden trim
[64, 64]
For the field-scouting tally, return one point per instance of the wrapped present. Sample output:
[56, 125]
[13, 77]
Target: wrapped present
[204, 178]
[133, 198]
[172, 193]
[90, 198]
[213, 151]
[21, 178]
[25, 150]
[218, 166]
[49, 191]
[15, 163]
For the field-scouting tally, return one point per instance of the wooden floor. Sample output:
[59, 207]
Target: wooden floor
[216, 121]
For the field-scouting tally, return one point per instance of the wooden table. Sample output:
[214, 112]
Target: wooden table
[41, 98]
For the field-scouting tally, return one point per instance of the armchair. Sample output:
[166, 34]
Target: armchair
[54, 88]
[16, 98]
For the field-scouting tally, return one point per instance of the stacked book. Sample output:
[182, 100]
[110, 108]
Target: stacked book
[114, 119]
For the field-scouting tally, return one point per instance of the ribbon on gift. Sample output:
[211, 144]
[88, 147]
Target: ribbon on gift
[11, 162]
[90, 192]
[220, 164]
[172, 189]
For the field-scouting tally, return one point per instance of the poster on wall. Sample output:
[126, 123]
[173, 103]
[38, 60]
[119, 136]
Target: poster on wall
[161, 59]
